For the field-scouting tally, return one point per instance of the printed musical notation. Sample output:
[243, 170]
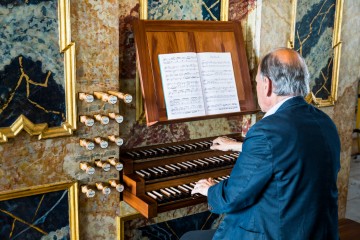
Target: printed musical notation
[181, 84]
[198, 84]
[218, 81]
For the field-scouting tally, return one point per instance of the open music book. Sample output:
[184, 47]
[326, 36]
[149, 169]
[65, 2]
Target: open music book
[198, 84]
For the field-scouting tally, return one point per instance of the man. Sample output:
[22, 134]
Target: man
[283, 185]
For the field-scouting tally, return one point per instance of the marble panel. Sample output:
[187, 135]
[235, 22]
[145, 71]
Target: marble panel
[353, 197]
[343, 113]
[275, 24]
[43, 216]
[184, 10]
[314, 40]
[95, 29]
[174, 229]
[239, 10]
[31, 66]
[172, 223]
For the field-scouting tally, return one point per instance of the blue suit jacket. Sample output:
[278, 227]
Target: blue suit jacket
[283, 185]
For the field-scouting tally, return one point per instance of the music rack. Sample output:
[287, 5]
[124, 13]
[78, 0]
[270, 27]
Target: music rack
[154, 37]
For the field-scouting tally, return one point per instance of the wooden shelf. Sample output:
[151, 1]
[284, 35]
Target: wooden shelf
[154, 37]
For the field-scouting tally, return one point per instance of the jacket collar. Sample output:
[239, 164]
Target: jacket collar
[291, 102]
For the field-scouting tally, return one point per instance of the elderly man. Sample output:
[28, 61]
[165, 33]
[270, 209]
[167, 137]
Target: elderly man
[283, 185]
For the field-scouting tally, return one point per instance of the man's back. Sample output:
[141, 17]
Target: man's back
[284, 182]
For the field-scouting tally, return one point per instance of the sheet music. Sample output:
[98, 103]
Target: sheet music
[218, 83]
[181, 84]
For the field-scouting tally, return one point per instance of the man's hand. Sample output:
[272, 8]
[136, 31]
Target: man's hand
[226, 144]
[202, 186]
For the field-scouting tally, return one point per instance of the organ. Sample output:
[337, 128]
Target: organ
[160, 178]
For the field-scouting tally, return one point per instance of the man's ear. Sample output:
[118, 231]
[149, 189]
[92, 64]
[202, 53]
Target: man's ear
[268, 86]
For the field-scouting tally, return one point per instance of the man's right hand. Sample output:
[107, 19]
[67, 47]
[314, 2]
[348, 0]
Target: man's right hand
[226, 144]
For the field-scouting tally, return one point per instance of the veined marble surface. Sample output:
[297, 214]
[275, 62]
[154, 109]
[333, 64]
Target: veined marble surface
[31, 29]
[314, 40]
[31, 66]
[43, 216]
[353, 198]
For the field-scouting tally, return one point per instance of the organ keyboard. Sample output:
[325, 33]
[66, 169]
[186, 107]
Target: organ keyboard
[160, 178]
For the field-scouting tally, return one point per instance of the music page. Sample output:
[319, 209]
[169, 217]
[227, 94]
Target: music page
[218, 83]
[181, 84]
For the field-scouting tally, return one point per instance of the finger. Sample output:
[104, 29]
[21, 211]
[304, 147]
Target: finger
[217, 140]
[201, 181]
[195, 190]
[215, 147]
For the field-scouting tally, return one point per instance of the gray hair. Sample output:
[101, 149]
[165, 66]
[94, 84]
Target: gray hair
[288, 78]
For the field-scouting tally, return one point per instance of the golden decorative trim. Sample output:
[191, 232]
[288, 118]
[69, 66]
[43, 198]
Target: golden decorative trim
[291, 40]
[64, 24]
[127, 213]
[72, 188]
[336, 45]
[22, 123]
[224, 10]
[120, 222]
[68, 49]
[337, 48]
[143, 9]
[140, 112]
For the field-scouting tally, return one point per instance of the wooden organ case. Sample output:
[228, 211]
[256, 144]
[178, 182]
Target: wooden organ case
[160, 178]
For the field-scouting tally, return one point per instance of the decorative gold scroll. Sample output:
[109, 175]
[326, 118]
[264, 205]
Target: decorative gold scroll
[68, 49]
[72, 188]
[336, 45]
[140, 114]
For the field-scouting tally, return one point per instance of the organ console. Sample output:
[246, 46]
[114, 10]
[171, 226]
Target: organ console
[160, 178]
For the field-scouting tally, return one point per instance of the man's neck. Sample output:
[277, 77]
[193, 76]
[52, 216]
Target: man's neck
[278, 101]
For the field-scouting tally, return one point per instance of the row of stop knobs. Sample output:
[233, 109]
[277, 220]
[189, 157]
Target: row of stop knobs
[104, 165]
[110, 97]
[104, 188]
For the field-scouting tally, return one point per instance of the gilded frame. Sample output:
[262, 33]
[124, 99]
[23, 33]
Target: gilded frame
[336, 46]
[120, 223]
[68, 49]
[71, 187]
[140, 114]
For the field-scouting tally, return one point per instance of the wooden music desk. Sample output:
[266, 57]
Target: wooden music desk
[349, 229]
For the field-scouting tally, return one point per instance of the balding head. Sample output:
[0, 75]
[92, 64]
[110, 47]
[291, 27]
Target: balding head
[287, 71]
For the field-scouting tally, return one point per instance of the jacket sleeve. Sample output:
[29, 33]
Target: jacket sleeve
[252, 171]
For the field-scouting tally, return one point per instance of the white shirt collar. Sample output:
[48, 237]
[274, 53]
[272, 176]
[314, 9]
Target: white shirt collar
[276, 107]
